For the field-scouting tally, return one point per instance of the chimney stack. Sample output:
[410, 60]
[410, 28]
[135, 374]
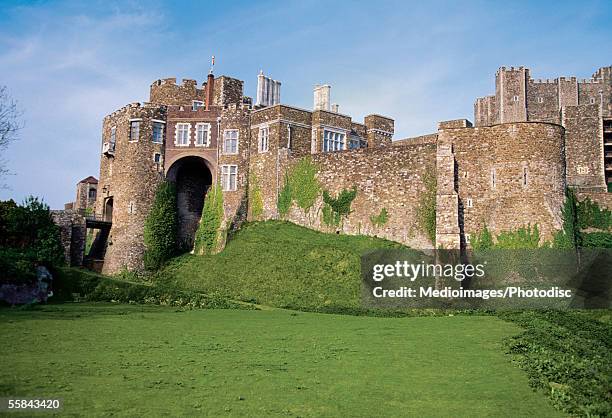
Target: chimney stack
[335, 108]
[210, 85]
[321, 97]
[268, 91]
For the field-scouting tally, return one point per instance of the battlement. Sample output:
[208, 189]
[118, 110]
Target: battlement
[510, 69]
[136, 105]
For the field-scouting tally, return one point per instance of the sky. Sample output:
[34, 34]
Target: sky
[70, 63]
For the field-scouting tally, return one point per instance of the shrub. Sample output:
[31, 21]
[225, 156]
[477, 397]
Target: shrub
[284, 199]
[590, 215]
[209, 235]
[426, 209]
[597, 239]
[381, 219]
[337, 209]
[161, 226]
[567, 355]
[28, 237]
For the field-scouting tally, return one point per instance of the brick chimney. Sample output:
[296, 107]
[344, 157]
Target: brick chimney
[210, 84]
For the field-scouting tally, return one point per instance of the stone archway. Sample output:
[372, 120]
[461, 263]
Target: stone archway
[192, 177]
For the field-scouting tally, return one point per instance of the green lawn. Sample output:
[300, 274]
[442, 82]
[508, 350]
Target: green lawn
[280, 264]
[136, 360]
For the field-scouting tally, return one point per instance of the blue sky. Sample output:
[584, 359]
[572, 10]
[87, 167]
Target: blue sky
[69, 63]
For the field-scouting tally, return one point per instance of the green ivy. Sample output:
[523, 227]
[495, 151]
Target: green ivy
[483, 240]
[526, 237]
[255, 197]
[335, 210]
[209, 235]
[303, 183]
[590, 215]
[426, 209]
[284, 199]
[381, 219]
[161, 226]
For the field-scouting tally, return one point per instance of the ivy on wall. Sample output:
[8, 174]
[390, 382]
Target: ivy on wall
[336, 209]
[209, 236]
[255, 197]
[300, 186]
[161, 226]
[381, 219]
[426, 209]
[526, 237]
[284, 199]
[303, 183]
[590, 215]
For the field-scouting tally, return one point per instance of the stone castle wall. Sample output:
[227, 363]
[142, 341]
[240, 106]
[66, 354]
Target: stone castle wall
[508, 176]
[509, 171]
[129, 179]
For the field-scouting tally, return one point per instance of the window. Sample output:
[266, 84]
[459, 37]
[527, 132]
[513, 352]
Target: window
[113, 137]
[263, 139]
[356, 142]
[158, 132]
[157, 158]
[182, 134]
[540, 100]
[493, 178]
[524, 176]
[134, 130]
[290, 138]
[333, 141]
[92, 193]
[229, 177]
[469, 203]
[197, 104]
[515, 99]
[203, 134]
[230, 141]
[592, 100]
[582, 170]
[132, 208]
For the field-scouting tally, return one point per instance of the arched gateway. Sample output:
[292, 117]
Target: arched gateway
[192, 176]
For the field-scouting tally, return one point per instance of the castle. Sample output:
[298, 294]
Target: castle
[530, 140]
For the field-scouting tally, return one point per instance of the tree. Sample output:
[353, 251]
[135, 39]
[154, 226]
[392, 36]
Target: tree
[9, 123]
[161, 227]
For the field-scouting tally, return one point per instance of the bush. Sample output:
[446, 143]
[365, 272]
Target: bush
[597, 240]
[567, 355]
[28, 237]
[590, 215]
[161, 227]
[209, 234]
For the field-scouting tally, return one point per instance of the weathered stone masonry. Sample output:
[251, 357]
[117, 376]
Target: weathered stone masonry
[530, 139]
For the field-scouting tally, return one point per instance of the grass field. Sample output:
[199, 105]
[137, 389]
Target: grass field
[132, 360]
[280, 264]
